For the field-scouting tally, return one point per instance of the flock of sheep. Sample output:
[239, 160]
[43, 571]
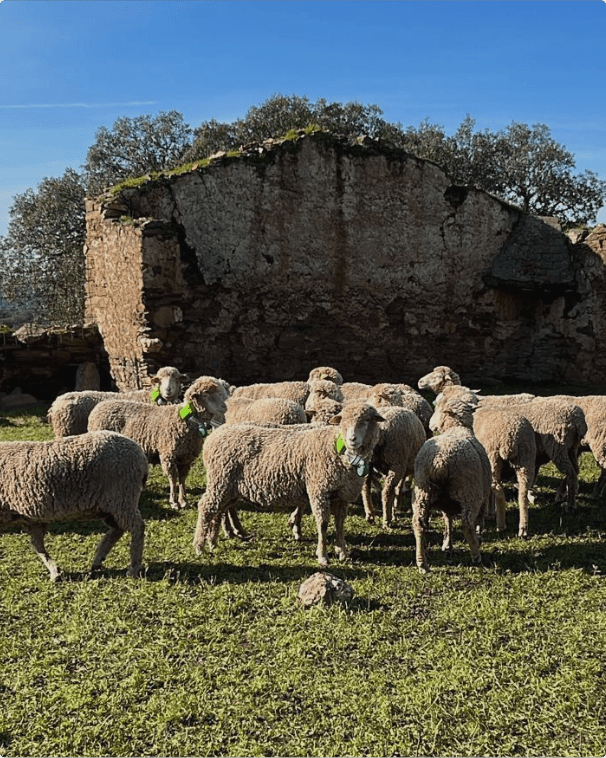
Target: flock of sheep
[321, 443]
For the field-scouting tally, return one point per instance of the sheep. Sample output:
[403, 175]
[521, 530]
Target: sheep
[69, 412]
[594, 409]
[171, 435]
[401, 435]
[416, 403]
[508, 438]
[271, 409]
[559, 426]
[436, 380]
[320, 389]
[94, 475]
[451, 473]
[355, 391]
[484, 401]
[271, 465]
[325, 372]
[296, 391]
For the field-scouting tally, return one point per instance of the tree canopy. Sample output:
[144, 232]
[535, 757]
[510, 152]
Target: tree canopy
[41, 256]
[134, 147]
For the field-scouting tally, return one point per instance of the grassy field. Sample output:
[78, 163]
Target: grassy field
[213, 655]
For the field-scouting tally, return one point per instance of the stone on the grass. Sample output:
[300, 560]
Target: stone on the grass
[324, 588]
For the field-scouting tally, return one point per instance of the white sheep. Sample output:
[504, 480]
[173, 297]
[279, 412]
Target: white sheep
[325, 372]
[436, 380]
[171, 435]
[594, 409]
[401, 435]
[296, 391]
[277, 410]
[269, 466]
[452, 474]
[559, 426]
[69, 412]
[322, 389]
[95, 475]
[506, 435]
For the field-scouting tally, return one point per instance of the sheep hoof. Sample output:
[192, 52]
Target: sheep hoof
[323, 561]
[56, 577]
[134, 573]
[423, 568]
[370, 519]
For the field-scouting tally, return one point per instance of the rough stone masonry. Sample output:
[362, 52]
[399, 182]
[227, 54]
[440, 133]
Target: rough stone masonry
[317, 251]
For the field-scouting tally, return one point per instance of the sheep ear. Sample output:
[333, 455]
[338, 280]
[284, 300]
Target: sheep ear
[335, 420]
[155, 380]
[378, 417]
[310, 412]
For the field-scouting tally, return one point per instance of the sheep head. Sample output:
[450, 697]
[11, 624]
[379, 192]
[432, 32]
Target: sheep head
[206, 398]
[168, 382]
[440, 377]
[325, 372]
[454, 412]
[359, 426]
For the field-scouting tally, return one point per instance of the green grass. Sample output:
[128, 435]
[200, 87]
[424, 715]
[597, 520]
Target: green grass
[213, 656]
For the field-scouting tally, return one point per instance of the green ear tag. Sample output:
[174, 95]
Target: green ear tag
[186, 411]
[340, 445]
[155, 394]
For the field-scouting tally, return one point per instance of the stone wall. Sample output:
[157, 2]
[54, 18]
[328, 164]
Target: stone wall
[43, 362]
[292, 254]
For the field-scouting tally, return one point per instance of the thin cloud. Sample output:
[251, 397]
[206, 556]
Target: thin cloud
[79, 105]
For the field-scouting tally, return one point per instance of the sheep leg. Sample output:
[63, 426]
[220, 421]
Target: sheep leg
[524, 477]
[469, 530]
[183, 470]
[171, 470]
[403, 491]
[568, 465]
[210, 510]
[232, 526]
[600, 484]
[109, 539]
[37, 533]
[320, 507]
[388, 496]
[447, 541]
[294, 522]
[369, 510]
[420, 515]
[339, 509]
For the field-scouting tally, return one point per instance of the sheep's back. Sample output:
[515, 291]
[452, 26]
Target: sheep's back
[456, 464]
[297, 391]
[505, 434]
[273, 466]
[71, 477]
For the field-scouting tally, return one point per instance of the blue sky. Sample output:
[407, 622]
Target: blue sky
[69, 67]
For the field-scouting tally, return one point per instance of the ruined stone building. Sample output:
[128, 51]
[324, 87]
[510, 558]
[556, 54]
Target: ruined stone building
[263, 264]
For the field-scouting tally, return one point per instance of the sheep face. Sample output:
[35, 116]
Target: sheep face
[169, 382]
[207, 399]
[322, 389]
[440, 377]
[358, 422]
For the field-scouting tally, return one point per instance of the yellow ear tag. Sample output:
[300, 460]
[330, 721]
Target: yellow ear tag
[186, 411]
[340, 445]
